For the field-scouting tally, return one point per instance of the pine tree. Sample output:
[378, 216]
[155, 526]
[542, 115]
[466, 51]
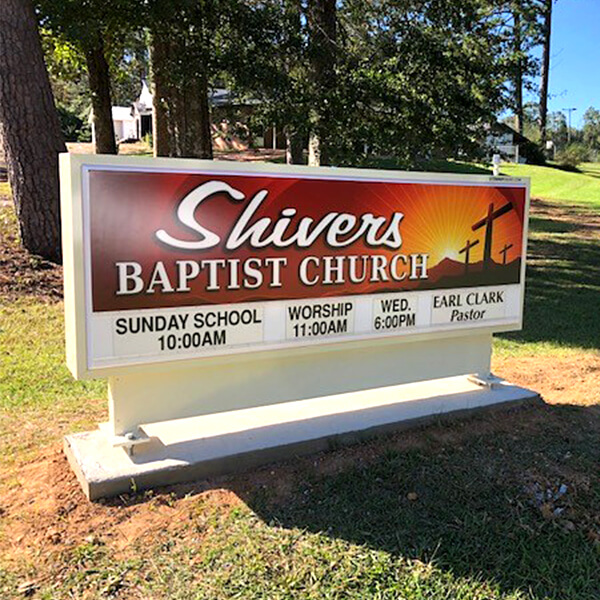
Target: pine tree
[30, 130]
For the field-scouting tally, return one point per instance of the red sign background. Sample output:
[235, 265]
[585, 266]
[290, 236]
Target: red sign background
[127, 208]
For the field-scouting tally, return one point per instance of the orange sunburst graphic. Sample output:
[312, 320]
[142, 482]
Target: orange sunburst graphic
[440, 219]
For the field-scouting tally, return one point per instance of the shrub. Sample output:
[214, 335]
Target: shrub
[73, 126]
[573, 155]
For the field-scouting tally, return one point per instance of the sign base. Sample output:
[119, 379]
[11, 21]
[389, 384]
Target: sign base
[208, 445]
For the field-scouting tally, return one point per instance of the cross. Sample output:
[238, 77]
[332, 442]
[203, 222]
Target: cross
[466, 251]
[504, 250]
[488, 223]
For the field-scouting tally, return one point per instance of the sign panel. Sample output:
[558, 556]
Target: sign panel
[183, 262]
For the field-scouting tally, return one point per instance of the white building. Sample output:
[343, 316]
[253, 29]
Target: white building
[142, 112]
[130, 122]
[508, 143]
[135, 122]
[124, 123]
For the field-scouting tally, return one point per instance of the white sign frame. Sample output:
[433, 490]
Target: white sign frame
[76, 257]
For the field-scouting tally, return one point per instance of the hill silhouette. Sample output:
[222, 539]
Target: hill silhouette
[451, 273]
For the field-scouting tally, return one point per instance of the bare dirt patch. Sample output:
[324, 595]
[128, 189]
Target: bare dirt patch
[44, 512]
[22, 274]
[570, 379]
[259, 155]
[140, 148]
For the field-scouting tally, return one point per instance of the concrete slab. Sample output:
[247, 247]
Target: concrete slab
[198, 447]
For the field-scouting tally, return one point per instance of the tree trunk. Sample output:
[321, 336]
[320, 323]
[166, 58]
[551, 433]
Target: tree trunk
[189, 119]
[161, 145]
[547, 30]
[293, 147]
[321, 20]
[199, 127]
[188, 111]
[175, 119]
[29, 130]
[295, 130]
[518, 71]
[99, 80]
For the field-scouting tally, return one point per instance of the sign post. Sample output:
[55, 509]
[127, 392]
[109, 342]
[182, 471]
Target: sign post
[298, 303]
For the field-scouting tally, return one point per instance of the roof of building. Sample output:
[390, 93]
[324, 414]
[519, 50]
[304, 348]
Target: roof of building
[518, 138]
[143, 104]
[145, 98]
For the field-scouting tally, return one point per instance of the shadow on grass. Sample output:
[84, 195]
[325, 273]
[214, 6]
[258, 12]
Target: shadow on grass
[451, 166]
[546, 225]
[563, 281]
[482, 502]
[565, 168]
[591, 170]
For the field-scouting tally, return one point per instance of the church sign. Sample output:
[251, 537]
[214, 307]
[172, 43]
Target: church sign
[185, 263]
[243, 313]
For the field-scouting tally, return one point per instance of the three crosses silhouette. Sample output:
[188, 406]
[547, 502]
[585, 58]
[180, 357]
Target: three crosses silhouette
[488, 223]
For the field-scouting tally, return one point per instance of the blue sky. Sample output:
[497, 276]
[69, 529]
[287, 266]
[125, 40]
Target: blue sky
[575, 57]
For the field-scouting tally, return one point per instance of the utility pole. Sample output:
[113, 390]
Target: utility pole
[569, 110]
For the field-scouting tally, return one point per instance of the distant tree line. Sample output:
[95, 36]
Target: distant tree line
[569, 145]
[346, 80]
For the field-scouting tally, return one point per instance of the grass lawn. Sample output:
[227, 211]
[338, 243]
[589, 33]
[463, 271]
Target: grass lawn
[562, 285]
[497, 507]
[556, 184]
[549, 182]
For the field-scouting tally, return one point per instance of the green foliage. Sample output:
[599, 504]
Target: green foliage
[128, 59]
[274, 67]
[73, 126]
[67, 29]
[531, 118]
[591, 128]
[557, 129]
[415, 91]
[66, 70]
[403, 86]
[573, 155]
[517, 26]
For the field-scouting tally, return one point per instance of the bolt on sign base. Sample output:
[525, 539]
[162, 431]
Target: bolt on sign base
[216, 444]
